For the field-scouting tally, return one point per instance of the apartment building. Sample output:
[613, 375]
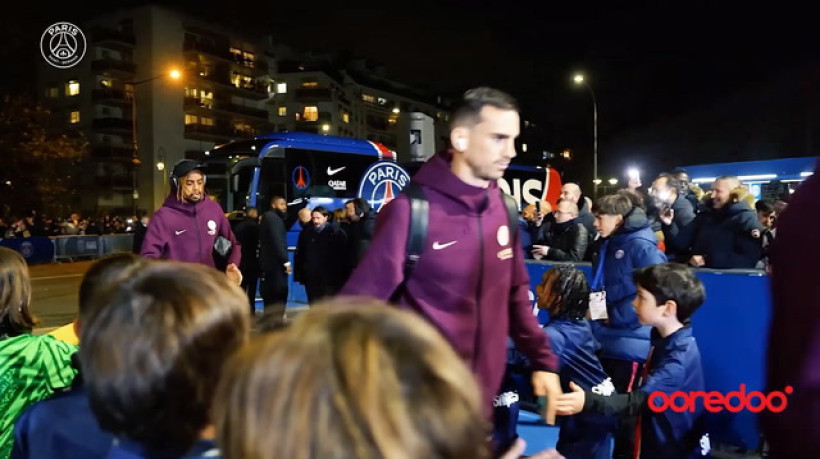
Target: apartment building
[154, 87]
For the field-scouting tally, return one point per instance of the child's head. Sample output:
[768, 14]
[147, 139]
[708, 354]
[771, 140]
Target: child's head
[668, 290]
[153, 351]
[350, 378]
[564, 292]
[15, 294]
[103, 275]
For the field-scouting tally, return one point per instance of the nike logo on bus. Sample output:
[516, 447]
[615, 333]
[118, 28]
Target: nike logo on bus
[180, 232]
[334, 171]
[438, 246]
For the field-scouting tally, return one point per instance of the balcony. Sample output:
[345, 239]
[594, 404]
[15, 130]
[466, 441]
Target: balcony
[111, 153]
[313, 94]
[253, 90]
[198, 47]
[258, 67]
[210, 133]
[113, 65]
[226, 107]
[118, 125]
[109, 95]
[114, 182]
[112, 38]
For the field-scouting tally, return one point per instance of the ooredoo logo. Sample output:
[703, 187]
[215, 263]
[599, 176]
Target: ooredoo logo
[715, 402]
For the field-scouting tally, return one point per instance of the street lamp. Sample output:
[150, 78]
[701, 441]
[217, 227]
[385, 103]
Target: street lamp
[580, 80]
[174, 74]
[613, 181]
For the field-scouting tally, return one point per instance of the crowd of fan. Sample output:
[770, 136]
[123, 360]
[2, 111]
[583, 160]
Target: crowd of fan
[724, 228]
[36, 225]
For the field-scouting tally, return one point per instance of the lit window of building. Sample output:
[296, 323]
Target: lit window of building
[206, 98]
[283, 111]
[281, 88]
[192, 92]
[191, 119]
[249, 59]
[105, 83]
[311, 113]
[72, 88]
[297, 116]
[206, 121]
[310, 84]
[74, 118]
[345, 117]
[368, 98]
[52, 92]
[129, 91]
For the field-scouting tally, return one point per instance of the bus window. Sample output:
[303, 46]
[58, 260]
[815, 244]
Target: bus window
[272, 182]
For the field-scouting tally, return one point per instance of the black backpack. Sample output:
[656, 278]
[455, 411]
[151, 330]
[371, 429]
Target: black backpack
[419, 214]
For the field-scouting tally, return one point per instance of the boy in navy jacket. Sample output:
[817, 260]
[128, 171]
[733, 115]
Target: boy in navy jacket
[668, 294]
[564, 292]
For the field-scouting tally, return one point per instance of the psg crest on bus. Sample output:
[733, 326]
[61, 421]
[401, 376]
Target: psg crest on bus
[382, 182]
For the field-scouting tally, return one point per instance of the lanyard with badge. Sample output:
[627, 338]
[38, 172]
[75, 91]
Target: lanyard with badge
[597, 294]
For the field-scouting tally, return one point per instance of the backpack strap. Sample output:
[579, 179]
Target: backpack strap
[512, 213]
[417, 235]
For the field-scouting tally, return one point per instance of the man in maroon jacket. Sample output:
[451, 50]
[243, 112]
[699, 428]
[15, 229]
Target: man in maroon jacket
[794, 337]
[189, 226]
[470, 281]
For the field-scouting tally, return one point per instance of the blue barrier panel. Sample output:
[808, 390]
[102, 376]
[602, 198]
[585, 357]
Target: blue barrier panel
[70, 247]
[731, 329]
[33, 249]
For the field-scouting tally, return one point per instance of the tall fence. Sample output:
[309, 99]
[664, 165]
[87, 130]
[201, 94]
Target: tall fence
[68, 248]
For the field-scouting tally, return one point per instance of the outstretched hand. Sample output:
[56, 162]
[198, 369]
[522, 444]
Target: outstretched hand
[571, 402]
[234, 274]
[547, 384]
[518, 448]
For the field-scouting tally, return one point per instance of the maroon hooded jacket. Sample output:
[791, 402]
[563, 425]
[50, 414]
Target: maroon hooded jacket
[470, 281]
[187, 232]
[794, 336]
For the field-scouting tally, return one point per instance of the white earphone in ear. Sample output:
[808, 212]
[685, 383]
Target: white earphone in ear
[461, 144]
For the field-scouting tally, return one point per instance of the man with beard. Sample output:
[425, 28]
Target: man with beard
[189, 225]
[273, 257]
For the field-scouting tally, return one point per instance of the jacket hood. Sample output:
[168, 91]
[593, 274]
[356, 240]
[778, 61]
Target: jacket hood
[436, 174]
[184, 207]
[635, 220]
[730, 210]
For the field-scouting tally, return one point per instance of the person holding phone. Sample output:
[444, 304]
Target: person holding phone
[675, 214]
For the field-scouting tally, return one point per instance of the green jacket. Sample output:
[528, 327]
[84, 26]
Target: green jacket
[31, 369]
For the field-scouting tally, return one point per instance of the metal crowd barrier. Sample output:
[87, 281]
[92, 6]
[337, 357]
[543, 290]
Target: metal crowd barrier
[68, 248]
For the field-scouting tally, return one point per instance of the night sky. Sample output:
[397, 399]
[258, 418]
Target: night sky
[647, 61]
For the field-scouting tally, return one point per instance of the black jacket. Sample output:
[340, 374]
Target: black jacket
[677, 235]
[729, 237]
[247, 233]
[321, 256]
[273, 246]
[567, 241]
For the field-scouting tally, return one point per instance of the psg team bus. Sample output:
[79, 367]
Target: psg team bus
[329, 170]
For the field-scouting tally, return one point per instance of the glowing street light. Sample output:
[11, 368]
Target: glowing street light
[613, 181]
[325, 127]
[597, 181]
[173, 74]
[580, 80]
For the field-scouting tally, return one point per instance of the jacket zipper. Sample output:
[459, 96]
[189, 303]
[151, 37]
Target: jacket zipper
[477, 337]
[198, 237]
